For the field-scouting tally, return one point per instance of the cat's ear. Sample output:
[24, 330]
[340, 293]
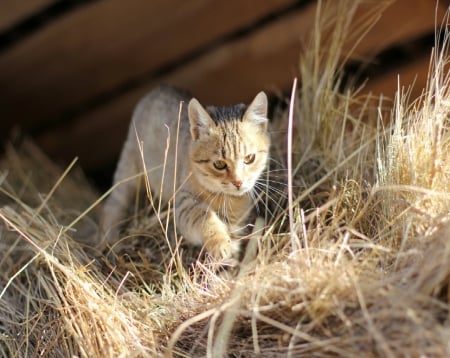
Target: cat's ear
[257, 111]
[199, 119]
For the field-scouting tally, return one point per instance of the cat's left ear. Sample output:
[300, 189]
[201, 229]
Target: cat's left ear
[257, 111]
[199, 119]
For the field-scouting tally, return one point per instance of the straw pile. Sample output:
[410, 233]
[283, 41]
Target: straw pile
[354, 260]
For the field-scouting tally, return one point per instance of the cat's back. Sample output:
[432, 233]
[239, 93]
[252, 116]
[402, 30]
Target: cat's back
[159, 109]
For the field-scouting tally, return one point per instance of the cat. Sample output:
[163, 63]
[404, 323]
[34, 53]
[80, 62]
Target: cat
[217, 153]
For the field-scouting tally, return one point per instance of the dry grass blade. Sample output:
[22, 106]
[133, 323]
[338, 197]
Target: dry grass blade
[368, 274]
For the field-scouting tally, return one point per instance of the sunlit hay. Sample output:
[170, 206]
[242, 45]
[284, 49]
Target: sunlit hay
[414, 166]
[53, 299]
[346, 292]
[363, 273]
[339, 143]
[335, 129]
[331, 121]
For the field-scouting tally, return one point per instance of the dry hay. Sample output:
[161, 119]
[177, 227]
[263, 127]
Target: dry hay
[360, 265]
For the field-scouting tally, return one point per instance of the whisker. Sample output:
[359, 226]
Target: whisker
[207, 199]
[259, 199]
[271, 181]
[271, 176]
[222, 205]
[274, 170]
[274, 174]
[273, 189]
[269, 197]
[254, 200]
[276, 161]
[225, 205]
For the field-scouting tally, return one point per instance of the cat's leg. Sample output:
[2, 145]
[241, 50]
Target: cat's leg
[202, 226]
[118, 202]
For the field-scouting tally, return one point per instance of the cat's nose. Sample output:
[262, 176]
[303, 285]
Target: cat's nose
[237, 183]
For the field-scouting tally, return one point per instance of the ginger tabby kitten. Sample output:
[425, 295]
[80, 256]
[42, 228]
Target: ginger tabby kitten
[221, 153]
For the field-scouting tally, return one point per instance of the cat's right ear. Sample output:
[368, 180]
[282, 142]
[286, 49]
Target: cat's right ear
[199, 119]
[257, 111]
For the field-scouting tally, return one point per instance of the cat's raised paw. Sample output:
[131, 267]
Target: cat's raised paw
[222, 248]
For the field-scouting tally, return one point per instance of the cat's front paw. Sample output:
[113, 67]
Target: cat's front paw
[222, 248]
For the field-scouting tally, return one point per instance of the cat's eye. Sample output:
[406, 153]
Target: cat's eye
[220, 164]
[249, 159]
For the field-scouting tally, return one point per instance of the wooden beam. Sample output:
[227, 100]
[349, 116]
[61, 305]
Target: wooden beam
[410, 78]
[412, 75]
[107, 44]
[14, 11]
[403, 21]
[96, 138]
[103, 46]
[265, 59]
[235, 72]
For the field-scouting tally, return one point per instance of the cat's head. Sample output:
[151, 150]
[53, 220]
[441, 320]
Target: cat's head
[229, 145]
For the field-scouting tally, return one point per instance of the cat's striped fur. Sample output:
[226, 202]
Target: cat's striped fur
[221, 152]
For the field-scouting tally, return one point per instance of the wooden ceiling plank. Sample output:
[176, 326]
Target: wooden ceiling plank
[46, 76]
[233, 72]
[212, 78]
[252, 47]
[403, 21]
[106, 126]
[15, 11]
[412, 77]
[105, 44]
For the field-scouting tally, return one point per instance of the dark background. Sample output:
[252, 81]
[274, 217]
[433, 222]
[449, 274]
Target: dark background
[71, 71]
